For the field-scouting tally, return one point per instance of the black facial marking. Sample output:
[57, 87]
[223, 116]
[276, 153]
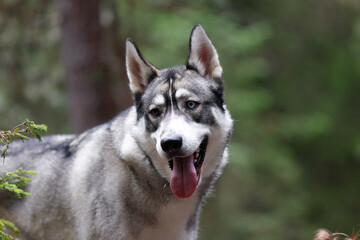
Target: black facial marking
[137, 96]
[190, 67]
[149, 125]
[146, 99]
[173, 99]
[140, 98]
[210, 94]
[219, 96]
[170, 74]
[151, 77]
[205, 115]
[140, 109]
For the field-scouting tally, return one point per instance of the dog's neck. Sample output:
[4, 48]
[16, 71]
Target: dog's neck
[163, 213]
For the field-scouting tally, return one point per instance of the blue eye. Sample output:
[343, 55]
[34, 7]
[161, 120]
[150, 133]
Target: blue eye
[191, 104]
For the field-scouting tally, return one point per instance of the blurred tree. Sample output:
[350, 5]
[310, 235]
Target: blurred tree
[291, 70]
[31, 76]
[90, 97]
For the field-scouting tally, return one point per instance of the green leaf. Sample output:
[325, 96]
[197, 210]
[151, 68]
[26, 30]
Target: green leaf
[14, 181]
[21, 136]
[40, 127]
[3, 153]
[5, 236]
[10, 225]
[25, 127]
[37, 135]
[4, 224]
[28, 172]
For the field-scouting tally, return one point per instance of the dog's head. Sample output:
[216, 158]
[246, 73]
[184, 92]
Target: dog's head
[182, 122]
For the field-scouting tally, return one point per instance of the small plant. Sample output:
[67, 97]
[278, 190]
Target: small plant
[20, 132]
[13, 181]
[6, 224]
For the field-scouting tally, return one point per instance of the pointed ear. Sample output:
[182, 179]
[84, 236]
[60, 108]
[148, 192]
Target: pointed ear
[202, 54]
[140, 72]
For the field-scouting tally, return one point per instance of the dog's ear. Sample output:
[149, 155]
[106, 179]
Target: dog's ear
[202, 54]
[140, 72]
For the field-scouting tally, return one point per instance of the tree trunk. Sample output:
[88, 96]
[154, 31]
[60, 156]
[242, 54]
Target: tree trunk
[90, 97]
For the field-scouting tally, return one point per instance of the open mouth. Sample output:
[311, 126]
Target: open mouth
[186, 171]
[199, 156]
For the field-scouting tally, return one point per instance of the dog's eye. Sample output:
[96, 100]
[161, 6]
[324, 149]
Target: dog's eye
[155, 112]
[191, 104]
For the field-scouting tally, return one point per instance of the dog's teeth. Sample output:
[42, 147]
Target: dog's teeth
[196, 156]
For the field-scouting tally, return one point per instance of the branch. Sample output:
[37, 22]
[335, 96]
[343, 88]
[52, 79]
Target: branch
[20, 131]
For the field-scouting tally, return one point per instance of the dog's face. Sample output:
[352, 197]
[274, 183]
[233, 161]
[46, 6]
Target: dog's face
[183, 123]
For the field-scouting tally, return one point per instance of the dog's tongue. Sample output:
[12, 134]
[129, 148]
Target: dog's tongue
[183, 179]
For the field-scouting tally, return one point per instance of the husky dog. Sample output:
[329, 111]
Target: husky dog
[142, 175]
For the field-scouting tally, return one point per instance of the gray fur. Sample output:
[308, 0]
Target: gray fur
[112, 182]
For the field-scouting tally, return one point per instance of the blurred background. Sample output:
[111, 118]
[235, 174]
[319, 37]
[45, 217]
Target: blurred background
[292, 78]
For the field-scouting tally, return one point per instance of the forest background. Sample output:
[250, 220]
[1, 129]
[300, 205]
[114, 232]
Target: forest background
[292, 77]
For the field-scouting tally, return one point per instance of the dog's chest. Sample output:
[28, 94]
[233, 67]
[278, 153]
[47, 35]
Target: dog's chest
[173, 221]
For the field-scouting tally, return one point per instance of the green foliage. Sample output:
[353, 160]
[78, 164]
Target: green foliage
[5, 236]
[28, 86]
[19, 131]
[13, 181]
[6, 224]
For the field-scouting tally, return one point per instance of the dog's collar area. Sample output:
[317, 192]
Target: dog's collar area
[199, 156]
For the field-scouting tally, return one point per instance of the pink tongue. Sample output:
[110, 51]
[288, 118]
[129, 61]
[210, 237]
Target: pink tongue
[183, 179]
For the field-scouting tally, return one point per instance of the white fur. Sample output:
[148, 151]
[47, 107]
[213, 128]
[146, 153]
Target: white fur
[129, 149]
[159, 100]
[191, 133]
[183, 93]
[217, 140]
[172, 221]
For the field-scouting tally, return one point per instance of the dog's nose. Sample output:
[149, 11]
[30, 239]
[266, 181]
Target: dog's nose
[172, 144]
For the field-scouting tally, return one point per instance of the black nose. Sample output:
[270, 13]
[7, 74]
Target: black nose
[172, 144]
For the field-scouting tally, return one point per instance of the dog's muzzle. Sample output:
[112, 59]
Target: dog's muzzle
[186, 170]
